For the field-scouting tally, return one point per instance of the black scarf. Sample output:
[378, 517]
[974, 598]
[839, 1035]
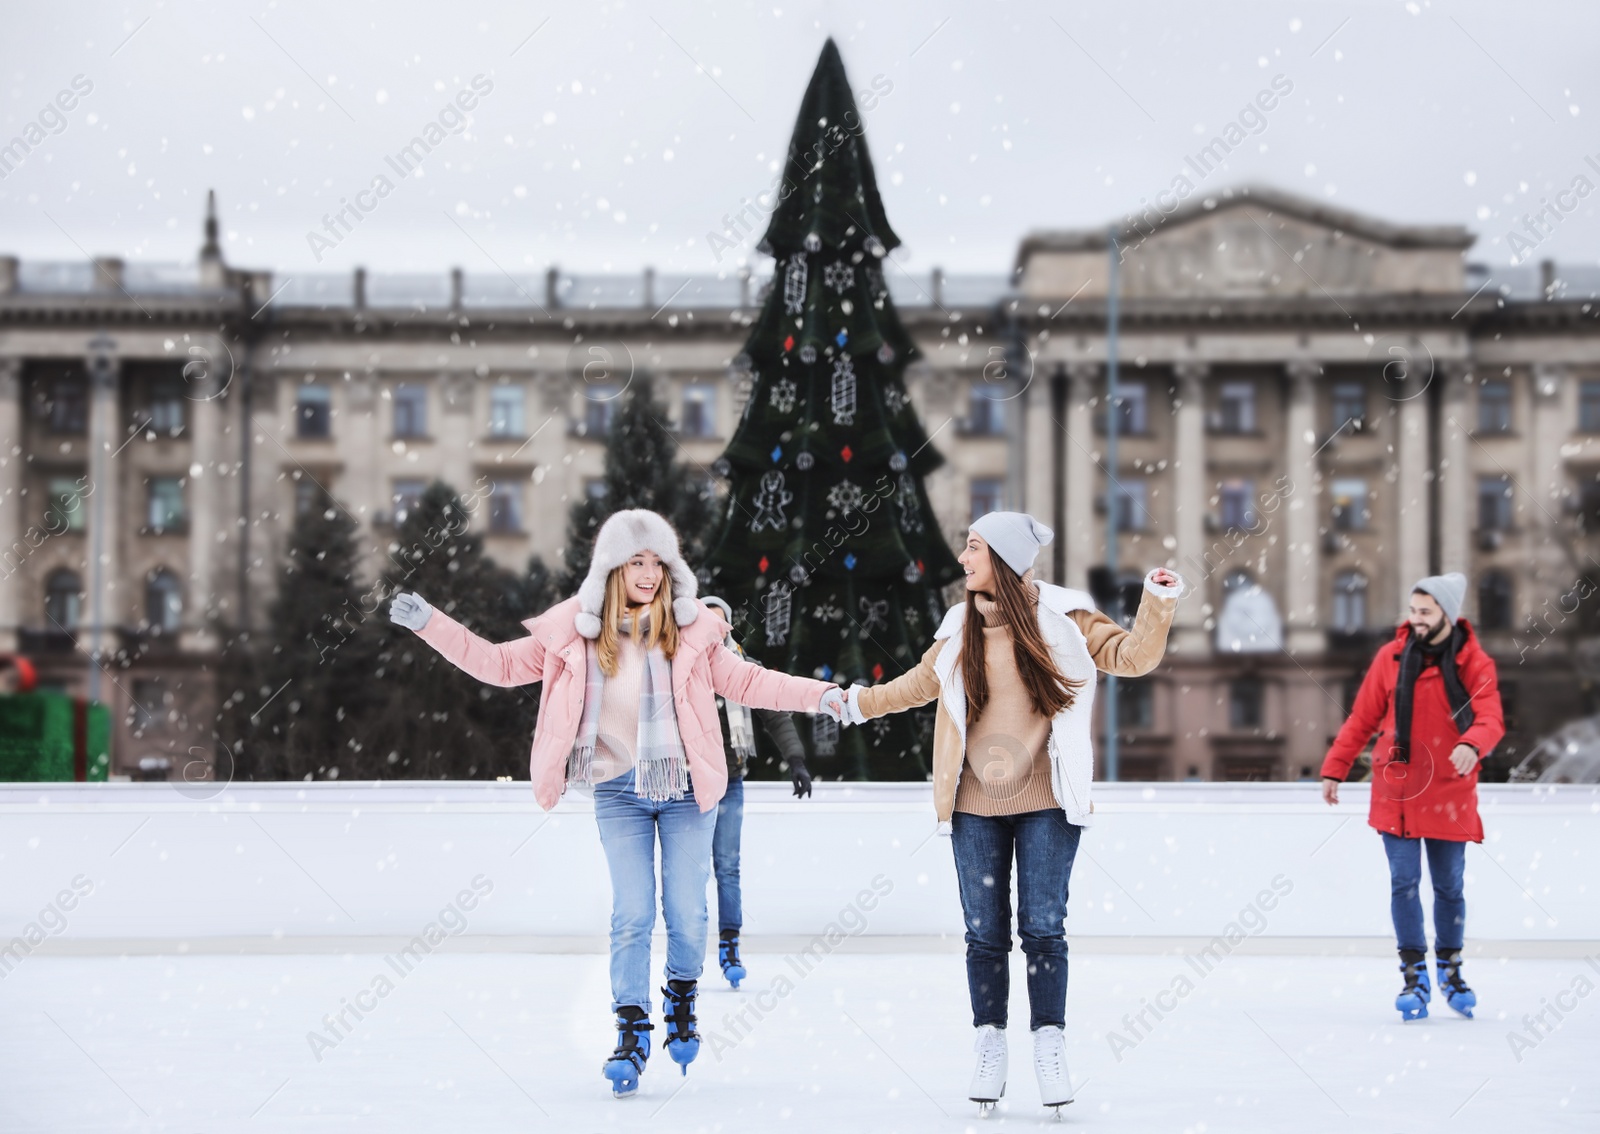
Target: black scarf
[1417, 656]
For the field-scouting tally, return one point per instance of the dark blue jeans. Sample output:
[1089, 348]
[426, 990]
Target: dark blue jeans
[1044, 845]
[725, 855]
[1446, 862]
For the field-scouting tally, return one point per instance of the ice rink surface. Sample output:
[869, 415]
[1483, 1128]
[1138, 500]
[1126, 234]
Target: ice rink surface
[485, 1043]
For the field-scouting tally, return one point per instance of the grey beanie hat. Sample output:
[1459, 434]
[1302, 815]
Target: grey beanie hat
[1449, 591]
[1015, 536]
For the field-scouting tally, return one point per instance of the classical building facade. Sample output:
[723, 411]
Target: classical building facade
[1314, 409]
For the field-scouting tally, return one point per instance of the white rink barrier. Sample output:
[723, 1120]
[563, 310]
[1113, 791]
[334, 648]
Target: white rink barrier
[98, 867]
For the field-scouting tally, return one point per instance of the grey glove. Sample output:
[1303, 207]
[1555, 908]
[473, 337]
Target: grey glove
[800, 777]
[410, 610]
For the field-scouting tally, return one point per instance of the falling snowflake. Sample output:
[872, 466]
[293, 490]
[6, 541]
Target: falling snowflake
[895, 399]
[783, 395]
[845, 496]
[839, 276]
[794, 284]
[843, 400]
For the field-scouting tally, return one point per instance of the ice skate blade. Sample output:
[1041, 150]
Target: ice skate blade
[1409, 1014]
[985, 1107]
[1056, 1110]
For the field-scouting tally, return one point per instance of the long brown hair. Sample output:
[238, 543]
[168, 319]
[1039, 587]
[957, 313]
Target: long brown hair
[663, 627]
[1049, 690]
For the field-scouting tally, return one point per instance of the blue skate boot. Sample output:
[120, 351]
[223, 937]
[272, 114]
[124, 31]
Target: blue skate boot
[1413, 999]
[633, 1049]
[1451, 986]
[728, 955]
[683, 1042]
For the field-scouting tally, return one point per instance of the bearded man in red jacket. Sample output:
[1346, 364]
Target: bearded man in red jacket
[1432, 697]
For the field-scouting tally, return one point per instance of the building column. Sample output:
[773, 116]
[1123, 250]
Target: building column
[107, 590]
[205, 511]
[1302, 509]
[13, 510]
[1190, 483]
[1082, 542]
[1541, 518]
[1413, 467]
[1038, 478]
[1455, 471]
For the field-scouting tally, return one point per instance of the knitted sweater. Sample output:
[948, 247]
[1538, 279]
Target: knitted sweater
[1007, 768]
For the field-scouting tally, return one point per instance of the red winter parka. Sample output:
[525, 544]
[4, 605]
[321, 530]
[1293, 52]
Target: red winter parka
[1426, 798]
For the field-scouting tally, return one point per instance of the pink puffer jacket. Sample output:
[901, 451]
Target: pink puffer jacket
[554, 653]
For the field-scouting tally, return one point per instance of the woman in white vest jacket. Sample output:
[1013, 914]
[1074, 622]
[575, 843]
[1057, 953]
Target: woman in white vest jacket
[1013, 670]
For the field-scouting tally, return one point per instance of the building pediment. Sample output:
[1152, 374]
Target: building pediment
[1252, 241]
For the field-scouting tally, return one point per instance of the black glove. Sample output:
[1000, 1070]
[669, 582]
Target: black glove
[800, 777]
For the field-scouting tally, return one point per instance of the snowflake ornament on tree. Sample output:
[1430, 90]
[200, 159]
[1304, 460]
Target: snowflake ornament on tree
[839, 276]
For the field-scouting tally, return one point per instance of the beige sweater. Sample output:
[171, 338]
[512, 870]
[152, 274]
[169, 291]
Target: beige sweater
[1125, 653]
[619, 711]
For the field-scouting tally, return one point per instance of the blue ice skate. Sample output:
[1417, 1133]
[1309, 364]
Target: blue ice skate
[633, 1049]
[728, 956]
[1412, 1002]
[1451, 986]
[683, 1042]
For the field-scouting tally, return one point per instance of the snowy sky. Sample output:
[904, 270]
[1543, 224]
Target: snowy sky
[602, 146]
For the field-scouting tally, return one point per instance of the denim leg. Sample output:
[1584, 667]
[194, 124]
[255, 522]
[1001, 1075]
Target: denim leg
[628, 834]
[686, 835]
[725, 856]
[1405, 876]
[1046, 846]
[982, 846]
[1447, 863]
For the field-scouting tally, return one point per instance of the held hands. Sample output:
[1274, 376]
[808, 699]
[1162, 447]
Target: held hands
[833, 704]
[843, 705]
[410, 610]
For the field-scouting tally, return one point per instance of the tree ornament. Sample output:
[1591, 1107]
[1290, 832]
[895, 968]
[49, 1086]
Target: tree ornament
[910, 505]
[782, 396]
[874, 615]
[824, 734]
[778, 603]
[839, 276]
[804, 461]
[845, 496]
[808, 354]
[843, 395]
[794, 285]
[770, 501]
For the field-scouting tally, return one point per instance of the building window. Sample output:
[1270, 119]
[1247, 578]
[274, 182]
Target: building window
[165, 510]
[505, 411]
[1494, 407]
[1494, 601]
[599, 404]
[505, 506]
[1130, 499]
[1494, 503]
[1236, 505]
[63, 601]
[1349, 406]
[166, 405]
[163, 602]
[1236, 408]
[410, 411]
[986, 494]
[1244, 703]
[66, 512]
[1350, 511]
[68, 404]
[986, 411]
[1133, 408]
[150, 699]
[1135, 706]
[313, 412]
[1589, 407]
[699, 410]
[404, 499]
[1349, 602]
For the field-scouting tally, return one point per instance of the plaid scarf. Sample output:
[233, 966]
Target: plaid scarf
[660, 767]
[741, 730]
[1416, 657]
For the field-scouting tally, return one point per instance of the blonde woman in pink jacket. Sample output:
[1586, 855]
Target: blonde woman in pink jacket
[631, 667]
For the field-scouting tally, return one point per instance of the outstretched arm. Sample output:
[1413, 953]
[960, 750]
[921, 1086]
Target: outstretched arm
[915, 687]
[520, 662]
[760, 688]
[1133, 653]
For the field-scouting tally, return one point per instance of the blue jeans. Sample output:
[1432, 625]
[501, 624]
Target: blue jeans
[1446, 862]
[725, 855]
[629, 826]
[1045, 845]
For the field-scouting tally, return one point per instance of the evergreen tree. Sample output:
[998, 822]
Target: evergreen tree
[303, 691]
[642, 470]
[828, 538]
[437, 722]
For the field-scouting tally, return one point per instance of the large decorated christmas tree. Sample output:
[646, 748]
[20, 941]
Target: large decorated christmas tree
[828, 547]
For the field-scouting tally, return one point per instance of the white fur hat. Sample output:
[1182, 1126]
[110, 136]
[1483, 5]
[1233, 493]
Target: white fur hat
[620, 538]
